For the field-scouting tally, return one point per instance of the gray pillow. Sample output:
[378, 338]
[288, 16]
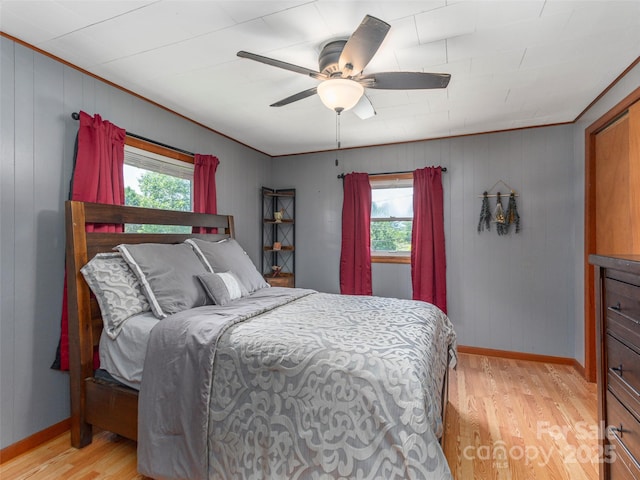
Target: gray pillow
[223, 287]
[168, 274]
[228, 255]
[116, 288]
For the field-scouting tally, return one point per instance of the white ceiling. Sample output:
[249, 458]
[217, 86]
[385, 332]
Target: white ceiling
[513, 63]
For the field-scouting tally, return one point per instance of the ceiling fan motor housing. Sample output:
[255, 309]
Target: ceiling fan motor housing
[329, 56]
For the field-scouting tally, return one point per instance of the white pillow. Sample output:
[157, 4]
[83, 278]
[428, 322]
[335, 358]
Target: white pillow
[223, 288]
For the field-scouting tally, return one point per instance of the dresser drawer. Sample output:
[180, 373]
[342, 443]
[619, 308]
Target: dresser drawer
[618, 470]
[622, 301]
[625, 277]
[623, 374]
[623, 433]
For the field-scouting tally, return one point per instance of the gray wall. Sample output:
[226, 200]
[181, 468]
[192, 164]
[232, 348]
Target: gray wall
[38, 95]
[511, 293]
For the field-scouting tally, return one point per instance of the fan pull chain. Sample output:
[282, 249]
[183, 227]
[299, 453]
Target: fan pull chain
[337, 134]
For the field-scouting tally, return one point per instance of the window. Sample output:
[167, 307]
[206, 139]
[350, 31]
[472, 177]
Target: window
[153, 180]
[391, 218]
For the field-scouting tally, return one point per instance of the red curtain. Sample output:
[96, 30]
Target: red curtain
[204, 188]
[428, 259]
[355, 259]
[97, 177]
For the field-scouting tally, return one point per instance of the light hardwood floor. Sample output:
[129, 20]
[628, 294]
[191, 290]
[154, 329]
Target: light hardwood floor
[507, 419]
[513, 419]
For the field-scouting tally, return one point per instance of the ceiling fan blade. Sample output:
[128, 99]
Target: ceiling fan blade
[405, 80]
[277, 63]
[295, 98]
[364, 108]
[362, 45]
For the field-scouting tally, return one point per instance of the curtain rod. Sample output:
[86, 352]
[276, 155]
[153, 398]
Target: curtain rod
[76, 116]
[342, 175]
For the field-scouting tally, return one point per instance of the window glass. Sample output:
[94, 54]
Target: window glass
[392, 202]
[391, 217]
[154, 181]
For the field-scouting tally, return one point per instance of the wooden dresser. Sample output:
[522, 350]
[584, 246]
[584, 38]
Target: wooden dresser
[618, 363]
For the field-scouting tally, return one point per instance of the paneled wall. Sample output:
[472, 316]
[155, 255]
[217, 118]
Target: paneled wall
[511, 293]
[38, 95]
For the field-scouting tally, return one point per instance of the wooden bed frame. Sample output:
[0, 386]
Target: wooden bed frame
[95, 402]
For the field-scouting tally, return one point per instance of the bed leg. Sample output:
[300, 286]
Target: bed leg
[445, 402]
[81, 433]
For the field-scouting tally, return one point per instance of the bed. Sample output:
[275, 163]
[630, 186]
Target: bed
[278, 383]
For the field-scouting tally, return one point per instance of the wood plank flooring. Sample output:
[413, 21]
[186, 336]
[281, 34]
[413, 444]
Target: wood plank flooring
[513, 419]
[506, 419]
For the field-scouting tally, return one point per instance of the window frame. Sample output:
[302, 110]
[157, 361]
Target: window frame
[158, 149]
[395, 257]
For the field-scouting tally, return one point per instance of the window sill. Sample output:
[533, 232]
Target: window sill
[406, 259]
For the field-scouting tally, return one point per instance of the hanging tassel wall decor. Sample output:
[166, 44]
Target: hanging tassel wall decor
[485, 214]
[512, 217]
[498, 215]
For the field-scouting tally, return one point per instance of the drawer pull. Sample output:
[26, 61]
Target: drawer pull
[616, 307]
[624, 447]
[616, 430]
[617, 369]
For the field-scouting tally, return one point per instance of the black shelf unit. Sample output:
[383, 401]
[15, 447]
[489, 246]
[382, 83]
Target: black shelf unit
[284, 231]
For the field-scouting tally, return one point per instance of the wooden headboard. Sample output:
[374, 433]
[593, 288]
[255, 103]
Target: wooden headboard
[85, 322]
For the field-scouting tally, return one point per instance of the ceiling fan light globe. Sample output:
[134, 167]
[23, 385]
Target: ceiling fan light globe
[340, 94]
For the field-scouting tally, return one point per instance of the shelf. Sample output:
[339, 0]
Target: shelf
[287, 248]
[280, 275]
[281, 204]
[282, 280]
[283, 221]
[281, 194]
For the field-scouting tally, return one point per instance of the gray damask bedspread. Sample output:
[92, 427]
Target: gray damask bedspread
[294, 384]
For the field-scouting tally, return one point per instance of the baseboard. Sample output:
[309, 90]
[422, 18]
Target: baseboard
[580, 369]
[533, 357]
[34, 440]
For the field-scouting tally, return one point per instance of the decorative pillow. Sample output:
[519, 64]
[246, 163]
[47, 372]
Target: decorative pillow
[116, 288]
[222, 288]
[228, 255]
[168, 274]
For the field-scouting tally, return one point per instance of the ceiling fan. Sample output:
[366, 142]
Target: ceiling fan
[341, 65]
